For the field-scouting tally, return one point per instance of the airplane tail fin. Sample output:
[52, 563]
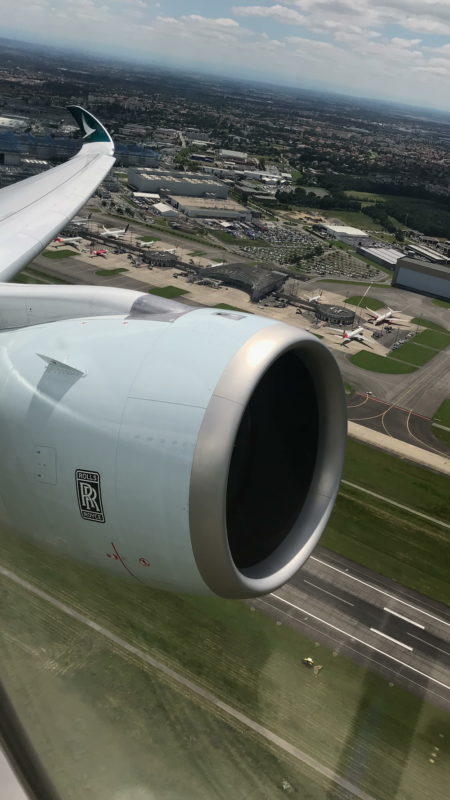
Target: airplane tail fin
[93, 131]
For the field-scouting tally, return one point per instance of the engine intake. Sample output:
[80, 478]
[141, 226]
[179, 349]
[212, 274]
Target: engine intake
[268, 463]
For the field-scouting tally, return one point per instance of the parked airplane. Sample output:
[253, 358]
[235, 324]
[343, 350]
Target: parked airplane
[87, 398]
[80, 220]
[73, 240]
[386, 316]
[316, 298]
[354, 335]
[116, 233]
[101, 252]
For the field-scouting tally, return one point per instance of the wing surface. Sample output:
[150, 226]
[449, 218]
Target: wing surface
[33, 211]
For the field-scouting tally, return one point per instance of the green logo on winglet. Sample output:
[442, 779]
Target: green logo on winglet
[90, 127]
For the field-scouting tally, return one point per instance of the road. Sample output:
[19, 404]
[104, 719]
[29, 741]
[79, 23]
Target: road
[397, 422]
[373, 620]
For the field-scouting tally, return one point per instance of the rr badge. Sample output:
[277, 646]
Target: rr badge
[89, 495]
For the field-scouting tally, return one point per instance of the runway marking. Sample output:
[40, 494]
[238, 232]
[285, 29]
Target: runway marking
[406, 619]
[326, 592]
[398, 505]
[381, 591]
[397, 408]
[365, 419]
[358, 405]
[391, 639]
[427, 643]
[382, 420]
[193, 687]
[366, 644]
[421, 442]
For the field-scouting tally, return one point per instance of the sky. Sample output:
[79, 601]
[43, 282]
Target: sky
[396, 50]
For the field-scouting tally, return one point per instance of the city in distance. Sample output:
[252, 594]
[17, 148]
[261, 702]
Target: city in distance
[243, 228]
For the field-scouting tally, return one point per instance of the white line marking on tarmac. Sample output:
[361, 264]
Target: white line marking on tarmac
[391, 638]
[406, 619]
[398, 505]
[193, 687]
[330, 593]
[376, 589]
[366, 644]
[446, 653]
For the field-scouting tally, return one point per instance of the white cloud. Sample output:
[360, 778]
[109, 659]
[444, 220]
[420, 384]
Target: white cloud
[278, 13]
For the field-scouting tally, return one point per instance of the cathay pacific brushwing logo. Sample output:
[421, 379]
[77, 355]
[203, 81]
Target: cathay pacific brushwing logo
[88, 130]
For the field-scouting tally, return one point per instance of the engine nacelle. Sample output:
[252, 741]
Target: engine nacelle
[200, 453]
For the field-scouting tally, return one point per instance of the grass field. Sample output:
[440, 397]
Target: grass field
[366, 302]
[426, 323]
[148, 239]
[442, 415]
[411, 551]
[354, 218]
[441, 434]
[413, 354]
[442, 303]
[125, 725]
[375, 363]
[227, 307]
[369, 197]
[109, 273]
[33, 276]
[397, 479]
[58, 254]
[168, 291]
[197, 253]
[437, 339]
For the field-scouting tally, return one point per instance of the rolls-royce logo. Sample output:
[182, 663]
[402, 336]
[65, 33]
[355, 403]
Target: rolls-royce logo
[89, 495]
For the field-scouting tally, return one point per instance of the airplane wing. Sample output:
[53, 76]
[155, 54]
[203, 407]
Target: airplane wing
[33, 211]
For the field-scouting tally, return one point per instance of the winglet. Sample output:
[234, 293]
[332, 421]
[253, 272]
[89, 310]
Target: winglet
[93, 131]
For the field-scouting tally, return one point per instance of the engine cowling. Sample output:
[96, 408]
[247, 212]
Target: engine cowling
[200, 453]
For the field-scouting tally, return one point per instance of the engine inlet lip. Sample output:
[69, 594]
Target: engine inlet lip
[212, 457]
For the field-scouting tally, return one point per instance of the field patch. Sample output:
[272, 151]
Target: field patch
[439, 340]
[442, 303]
[59, 254]
[375, 363]
[168, 291]
[427, 323]
[442, 415]
[413, 354]
[109, 273]
[366, 302]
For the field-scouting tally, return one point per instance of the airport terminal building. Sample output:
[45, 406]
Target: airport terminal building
[185, 184]
[420, 276]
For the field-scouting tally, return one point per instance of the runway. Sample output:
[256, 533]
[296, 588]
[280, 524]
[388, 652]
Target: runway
[373, 620]
[395, 421]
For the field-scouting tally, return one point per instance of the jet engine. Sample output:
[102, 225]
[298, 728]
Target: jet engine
[192, 449]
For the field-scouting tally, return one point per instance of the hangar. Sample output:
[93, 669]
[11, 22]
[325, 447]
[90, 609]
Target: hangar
[256, 280]
[423, 277]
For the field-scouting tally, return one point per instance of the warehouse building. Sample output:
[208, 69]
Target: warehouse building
[345, 233]
[166, 211]
[211, 208]
[385, 256]
[232, 155]
[185, 184]
[426, 253]
[422, 277]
